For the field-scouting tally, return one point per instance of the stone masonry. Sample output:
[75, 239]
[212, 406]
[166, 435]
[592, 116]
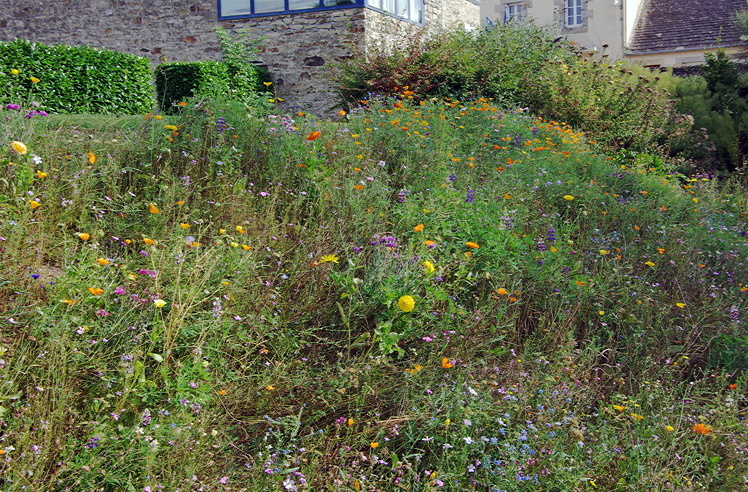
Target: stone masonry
[300, 50]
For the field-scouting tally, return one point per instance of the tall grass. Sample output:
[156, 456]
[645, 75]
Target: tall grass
[213, 300]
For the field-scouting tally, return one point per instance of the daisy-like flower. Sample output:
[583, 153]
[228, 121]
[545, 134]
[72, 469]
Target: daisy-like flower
[329, 258]
[406, 303]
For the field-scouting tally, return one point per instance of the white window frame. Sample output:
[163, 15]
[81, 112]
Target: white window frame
[574, 13]
[514, 11]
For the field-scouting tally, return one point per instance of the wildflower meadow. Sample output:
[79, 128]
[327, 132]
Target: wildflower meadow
[417, 294]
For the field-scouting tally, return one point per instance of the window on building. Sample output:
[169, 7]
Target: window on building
[248, 8]
[573, 13]
[411, 10]
[513, 11]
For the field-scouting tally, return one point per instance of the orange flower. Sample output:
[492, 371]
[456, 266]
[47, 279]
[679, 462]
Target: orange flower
[733, 386]
[84, 236]
[418, 228]
[359, 187]
[502, 291]
[91, 158]
[97, 291]
[702, 429]
[314, 135]
[152, 208]
[430, 243]
[446, 364]
[472, 245]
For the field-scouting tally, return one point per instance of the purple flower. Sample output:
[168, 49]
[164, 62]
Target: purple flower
[470, 196]
[12, 107]
[120, 290]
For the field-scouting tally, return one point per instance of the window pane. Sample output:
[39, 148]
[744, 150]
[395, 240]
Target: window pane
[388, 6]
[330, 3]
[402, 8]
[234, 7]
[377, 4]
[264, 6]
[302, 4]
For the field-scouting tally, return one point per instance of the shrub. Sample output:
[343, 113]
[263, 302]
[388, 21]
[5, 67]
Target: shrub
[492, 62]
[235, 78]
[178, 81]
[75, 79]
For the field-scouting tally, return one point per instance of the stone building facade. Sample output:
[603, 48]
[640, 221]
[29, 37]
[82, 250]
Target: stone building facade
[300, 49]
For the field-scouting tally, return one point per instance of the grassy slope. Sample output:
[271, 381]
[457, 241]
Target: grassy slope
[598, 320]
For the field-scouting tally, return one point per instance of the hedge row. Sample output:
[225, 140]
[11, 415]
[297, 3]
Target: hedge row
[81, 79]
[75, 79]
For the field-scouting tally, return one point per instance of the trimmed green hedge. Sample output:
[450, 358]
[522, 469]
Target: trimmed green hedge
[178, 81]
[75, 79]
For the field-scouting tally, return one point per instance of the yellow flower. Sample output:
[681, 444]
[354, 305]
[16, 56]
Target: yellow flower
[180, 202]
[418, 228]
[246, 247]
[267, 84]
[472, 245]
[159, 303]
[329, 258]
[102, 261]
[374, 445]
[240, 230]
[15, 71]
[429, 243]
[604, 252]
[270, 387]
[234, 244]
[69, 302]
[669, 428]
[148, 241]
[350, 422]
[184, 225]
[680, 304]
[568, 198]
[429, 266]
[649, 263]
[406, 303]
[636, 417]
[35, 204]
[41, 174]
[221, 231]
[34, 80]
[342, 113]
[171, 127]
[619, 408]
[416, 368]
[502, 291]
[91, 158]
[447, 422]
[19, 147]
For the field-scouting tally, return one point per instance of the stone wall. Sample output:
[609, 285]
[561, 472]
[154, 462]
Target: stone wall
[300, 50]
[162, 30]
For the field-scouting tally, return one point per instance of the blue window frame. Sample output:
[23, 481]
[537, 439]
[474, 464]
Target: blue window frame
[231, 9]
[409, 10]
